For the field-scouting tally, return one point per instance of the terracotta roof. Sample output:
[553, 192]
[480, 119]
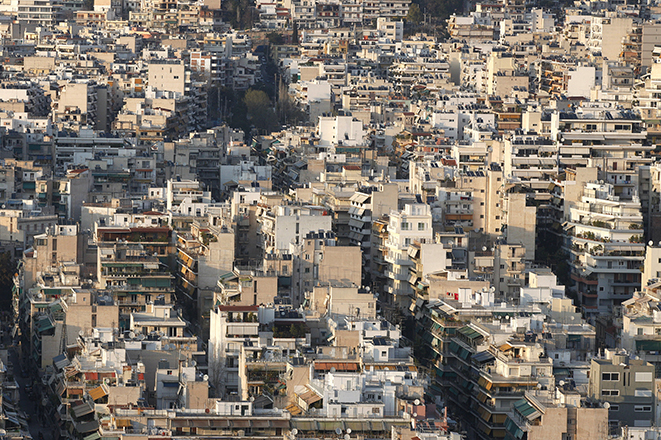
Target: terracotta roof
[339, 366]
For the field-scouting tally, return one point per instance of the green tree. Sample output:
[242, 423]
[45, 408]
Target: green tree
[7, 270]
[414, 15]
[260, 110]
[294, 32]
[288, 110]
[275, 38]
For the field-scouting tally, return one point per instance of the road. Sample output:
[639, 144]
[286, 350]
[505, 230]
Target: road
[31, 406]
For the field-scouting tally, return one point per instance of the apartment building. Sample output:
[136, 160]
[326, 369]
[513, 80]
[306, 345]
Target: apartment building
[627, 385]
[412, 224]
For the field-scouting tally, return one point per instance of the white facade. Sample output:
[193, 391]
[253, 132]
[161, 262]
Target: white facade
[340, 130]
[413, 224]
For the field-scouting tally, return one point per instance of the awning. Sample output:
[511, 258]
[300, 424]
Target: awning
[238, 423]
[329, 425]
[304, 425]
[81, 408]
[294, 409]
[310, 397]
[648, 345]
[470, 333]
[280, 423]
[123, 423]
[377, 426]
[261, 423]
[94, 436]
[485, 414]
[482, 357]
[98, 392]
[528, 411]
[87, 427]
[61, 361]
[357, 425]
[485, 383]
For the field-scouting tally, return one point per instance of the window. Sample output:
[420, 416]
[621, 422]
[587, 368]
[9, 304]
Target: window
[642, 408]
[610, 393]
[614, 408]
[406, 226]
[644, 377]
[643, 393]
[640, 331]
[421, 226]
[612, 377]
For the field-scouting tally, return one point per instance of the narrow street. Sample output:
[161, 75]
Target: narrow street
[31, 404]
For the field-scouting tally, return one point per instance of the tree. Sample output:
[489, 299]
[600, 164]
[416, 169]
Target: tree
[294, 35]
[414, 15]
[260, 110]
[288, 110]
[7, 270]
[274, 38]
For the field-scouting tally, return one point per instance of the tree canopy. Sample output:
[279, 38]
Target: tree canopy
[260, 111]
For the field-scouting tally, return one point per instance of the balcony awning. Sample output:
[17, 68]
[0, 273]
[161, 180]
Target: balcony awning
[98, 392]
[238, 423]
[304, 425]
[482, 357]
[528, 411]
[123, 423]
[470, 333]
[87, 427]
[648, 345]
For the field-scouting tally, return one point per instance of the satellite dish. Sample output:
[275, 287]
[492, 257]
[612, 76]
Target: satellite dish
[561, 383]
[252, 398]
[539, 386]
[294, 431]
[332, 370]
[205, 377]
[607, 405]
[416, 402]
[415, 414]
[347, 436]
[348, 430]
[338, 431]
[650, 243]
[484, 248]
